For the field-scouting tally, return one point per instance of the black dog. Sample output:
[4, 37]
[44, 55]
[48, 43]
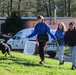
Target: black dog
[5, 49]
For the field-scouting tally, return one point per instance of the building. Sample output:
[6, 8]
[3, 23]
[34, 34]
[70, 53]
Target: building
[30, 22]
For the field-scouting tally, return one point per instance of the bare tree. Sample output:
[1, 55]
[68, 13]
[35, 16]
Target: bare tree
[50, 7]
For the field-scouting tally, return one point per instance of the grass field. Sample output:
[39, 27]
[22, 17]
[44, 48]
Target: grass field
[67, 51]
[22, 64]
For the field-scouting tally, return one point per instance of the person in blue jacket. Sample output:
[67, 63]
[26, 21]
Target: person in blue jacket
[60, 32]
[41, 29]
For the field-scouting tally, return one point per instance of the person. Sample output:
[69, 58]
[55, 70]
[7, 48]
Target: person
[60, 38]
[41, 29]
[70, 40]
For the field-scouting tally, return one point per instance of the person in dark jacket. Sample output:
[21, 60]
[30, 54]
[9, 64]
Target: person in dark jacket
[60, 32]
[41, 29]
[70, 40]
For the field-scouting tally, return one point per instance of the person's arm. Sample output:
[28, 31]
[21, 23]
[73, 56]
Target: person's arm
[33, 33]
[48, 30]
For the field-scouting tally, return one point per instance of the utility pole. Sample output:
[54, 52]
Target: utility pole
[55, 8]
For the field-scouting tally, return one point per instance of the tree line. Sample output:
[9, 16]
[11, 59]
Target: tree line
[34, 7]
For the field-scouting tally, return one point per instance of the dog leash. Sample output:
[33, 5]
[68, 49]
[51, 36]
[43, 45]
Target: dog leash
[57, 47]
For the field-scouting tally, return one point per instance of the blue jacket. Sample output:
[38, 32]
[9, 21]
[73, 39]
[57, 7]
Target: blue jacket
[41, 28]
[60, 35]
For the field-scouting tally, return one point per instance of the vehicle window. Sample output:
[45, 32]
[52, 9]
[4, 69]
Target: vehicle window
[25, 34]
[18, 36]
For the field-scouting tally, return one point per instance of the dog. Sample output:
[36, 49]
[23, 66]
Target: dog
[5, 48]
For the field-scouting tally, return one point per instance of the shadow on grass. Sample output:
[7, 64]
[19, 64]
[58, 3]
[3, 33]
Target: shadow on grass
[25, 62]
[20, 61]
[3, 58]
[56, 67]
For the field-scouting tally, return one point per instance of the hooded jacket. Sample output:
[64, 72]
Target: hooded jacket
[60, 35]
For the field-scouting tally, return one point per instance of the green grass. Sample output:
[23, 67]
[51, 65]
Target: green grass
[67, 51]
[22, 64]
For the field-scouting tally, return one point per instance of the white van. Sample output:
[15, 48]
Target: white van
[18, 41]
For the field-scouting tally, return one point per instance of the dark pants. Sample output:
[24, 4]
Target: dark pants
[41, 50]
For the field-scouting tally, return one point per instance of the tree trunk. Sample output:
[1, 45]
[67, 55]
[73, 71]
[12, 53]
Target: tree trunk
[47, 10]
[3, 9]
[46, 6]
[50, 7]
[64, 7]
[19, 7]
[10, 6]
[8, 9]
[69, 13]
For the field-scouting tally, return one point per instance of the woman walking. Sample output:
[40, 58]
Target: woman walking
[70, 40]
[60, 38]
[41, 29]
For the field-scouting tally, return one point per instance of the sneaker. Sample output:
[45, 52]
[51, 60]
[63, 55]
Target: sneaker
[61, 63]
[73, 68]
[41, 62]
[5, 54]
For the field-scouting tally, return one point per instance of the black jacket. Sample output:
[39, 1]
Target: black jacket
[70, 37]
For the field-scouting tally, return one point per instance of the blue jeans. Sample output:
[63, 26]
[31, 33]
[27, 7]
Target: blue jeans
[73, 55]
[61, 53]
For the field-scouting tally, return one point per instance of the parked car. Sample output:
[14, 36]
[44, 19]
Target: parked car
[4, 38]
[19, 40]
